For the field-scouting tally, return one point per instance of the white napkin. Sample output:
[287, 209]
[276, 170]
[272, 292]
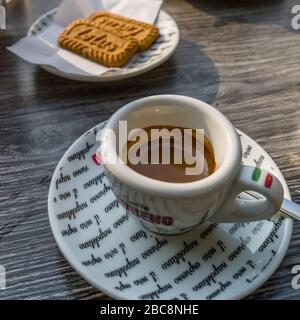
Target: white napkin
[43, 48]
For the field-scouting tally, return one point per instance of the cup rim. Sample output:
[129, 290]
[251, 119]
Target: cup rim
[226, 172]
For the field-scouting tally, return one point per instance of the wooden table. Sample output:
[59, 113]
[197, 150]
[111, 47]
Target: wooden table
[241, 56]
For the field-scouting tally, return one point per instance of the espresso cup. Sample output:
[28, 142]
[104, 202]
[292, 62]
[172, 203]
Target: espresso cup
[172, 208]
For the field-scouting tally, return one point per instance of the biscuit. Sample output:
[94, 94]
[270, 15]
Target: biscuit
[127, 28]
[96, 44]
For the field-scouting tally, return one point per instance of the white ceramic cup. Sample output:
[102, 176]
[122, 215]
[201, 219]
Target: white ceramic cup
[172, 208]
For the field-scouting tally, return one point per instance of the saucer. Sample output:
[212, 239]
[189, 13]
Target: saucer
[157, 54]
[111, 251]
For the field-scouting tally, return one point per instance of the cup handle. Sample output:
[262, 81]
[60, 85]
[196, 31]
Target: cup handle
[249, 178]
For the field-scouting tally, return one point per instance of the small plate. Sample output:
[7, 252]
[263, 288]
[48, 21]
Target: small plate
[157, 54]
[111, 251]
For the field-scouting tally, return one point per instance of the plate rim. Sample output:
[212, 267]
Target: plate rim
[108, 77]
[282, 250]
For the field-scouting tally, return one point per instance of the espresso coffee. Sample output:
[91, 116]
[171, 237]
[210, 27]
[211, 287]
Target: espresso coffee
[152, 146]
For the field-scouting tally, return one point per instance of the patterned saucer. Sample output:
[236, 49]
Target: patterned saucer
[111, 251]
[157, 54]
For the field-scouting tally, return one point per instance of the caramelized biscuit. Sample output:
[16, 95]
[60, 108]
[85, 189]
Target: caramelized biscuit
[96, 44]
[127, 28]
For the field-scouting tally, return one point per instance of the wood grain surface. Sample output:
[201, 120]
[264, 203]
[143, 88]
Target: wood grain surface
[241, 56]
